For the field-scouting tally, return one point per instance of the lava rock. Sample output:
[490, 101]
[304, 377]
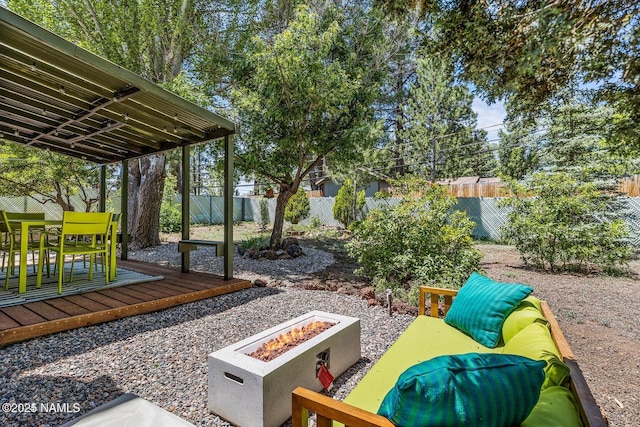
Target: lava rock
[294, 250]
[288, 242]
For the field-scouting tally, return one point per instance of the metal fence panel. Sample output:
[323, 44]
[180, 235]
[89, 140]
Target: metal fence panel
[487, 215]
[484, 211]
[632, 218]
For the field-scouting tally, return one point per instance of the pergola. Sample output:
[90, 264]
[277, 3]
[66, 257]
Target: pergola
[57, 96]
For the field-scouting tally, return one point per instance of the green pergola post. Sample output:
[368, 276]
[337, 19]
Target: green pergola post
[229, 247]
[186, 205]
[124, 211]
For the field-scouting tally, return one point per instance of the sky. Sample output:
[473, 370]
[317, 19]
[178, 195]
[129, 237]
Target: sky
[489, 116]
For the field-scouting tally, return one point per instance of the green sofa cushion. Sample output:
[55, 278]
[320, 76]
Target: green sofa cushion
[474, 389]
[482, 305]
[424, 339]
[535, 342]
[556, 407]
[525, 314]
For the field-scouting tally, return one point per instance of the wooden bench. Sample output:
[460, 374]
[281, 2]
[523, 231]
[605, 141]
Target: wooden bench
[328, 410]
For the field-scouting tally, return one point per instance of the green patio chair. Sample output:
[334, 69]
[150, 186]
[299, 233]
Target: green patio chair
[82, 233]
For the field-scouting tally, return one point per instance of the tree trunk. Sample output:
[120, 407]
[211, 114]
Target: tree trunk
[278, 221]
[146, 185]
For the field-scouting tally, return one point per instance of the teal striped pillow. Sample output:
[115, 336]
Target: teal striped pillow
[481, 306]
[474, 389]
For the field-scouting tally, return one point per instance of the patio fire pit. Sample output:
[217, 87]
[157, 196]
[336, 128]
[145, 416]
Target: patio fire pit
[251, 392]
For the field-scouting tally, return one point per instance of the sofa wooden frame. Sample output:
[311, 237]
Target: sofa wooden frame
[327, 409]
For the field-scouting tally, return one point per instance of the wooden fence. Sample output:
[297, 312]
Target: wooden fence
[493, 189]
[629, 187]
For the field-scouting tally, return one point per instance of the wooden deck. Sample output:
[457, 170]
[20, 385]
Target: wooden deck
[22, 322]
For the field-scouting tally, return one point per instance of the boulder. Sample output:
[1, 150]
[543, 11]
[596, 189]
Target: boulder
[294, 250]
[286, 243]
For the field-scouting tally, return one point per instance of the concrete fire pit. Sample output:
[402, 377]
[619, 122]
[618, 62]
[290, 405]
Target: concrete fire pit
[251, 393]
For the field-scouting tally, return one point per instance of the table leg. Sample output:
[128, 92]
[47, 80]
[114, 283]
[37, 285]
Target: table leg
[24, 248]
[112, 255]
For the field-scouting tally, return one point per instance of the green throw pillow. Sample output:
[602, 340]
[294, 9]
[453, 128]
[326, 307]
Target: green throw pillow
[556, 407]
[535, 342]
[481, 306]
[525, 314]
[473, 389]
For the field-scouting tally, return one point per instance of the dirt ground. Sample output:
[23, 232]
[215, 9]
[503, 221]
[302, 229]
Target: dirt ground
[599, 315]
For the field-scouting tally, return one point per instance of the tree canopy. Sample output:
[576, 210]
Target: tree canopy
[529, 51]
[307, 95]
[46, 177]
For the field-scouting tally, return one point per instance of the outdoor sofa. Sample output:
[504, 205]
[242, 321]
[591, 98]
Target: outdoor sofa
[450, 394]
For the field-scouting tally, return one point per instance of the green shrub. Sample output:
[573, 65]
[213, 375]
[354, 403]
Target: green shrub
[298, 207]
[170, 217]
[315, 222]
[349, 205]
[420, 241]
[382, 195]
[558, 223]
[256, 243]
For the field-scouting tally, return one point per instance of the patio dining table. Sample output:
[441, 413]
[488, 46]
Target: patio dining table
[26, 224]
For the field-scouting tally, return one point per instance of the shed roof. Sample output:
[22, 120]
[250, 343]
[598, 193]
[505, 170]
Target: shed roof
[58, 96]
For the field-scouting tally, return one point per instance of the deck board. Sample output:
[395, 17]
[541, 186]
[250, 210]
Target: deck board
[45, 310]
[100, 298]
[22, 315]
[7, 322]
[142, 296]
[67, 306]
[85, 302]
[122, 297]
[151, 290]
[22, 322]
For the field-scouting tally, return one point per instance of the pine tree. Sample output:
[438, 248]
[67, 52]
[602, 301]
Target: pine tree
[440, 139]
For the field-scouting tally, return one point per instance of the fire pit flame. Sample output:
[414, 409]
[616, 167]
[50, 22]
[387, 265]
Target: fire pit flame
[288, 340]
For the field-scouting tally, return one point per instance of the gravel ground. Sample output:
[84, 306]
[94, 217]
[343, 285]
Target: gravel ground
[162, 356]
[286, 272]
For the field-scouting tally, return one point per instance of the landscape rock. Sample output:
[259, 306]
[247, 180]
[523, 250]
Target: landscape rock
[289, 241]
[260, 283]
[368, 293]
[294, 250]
